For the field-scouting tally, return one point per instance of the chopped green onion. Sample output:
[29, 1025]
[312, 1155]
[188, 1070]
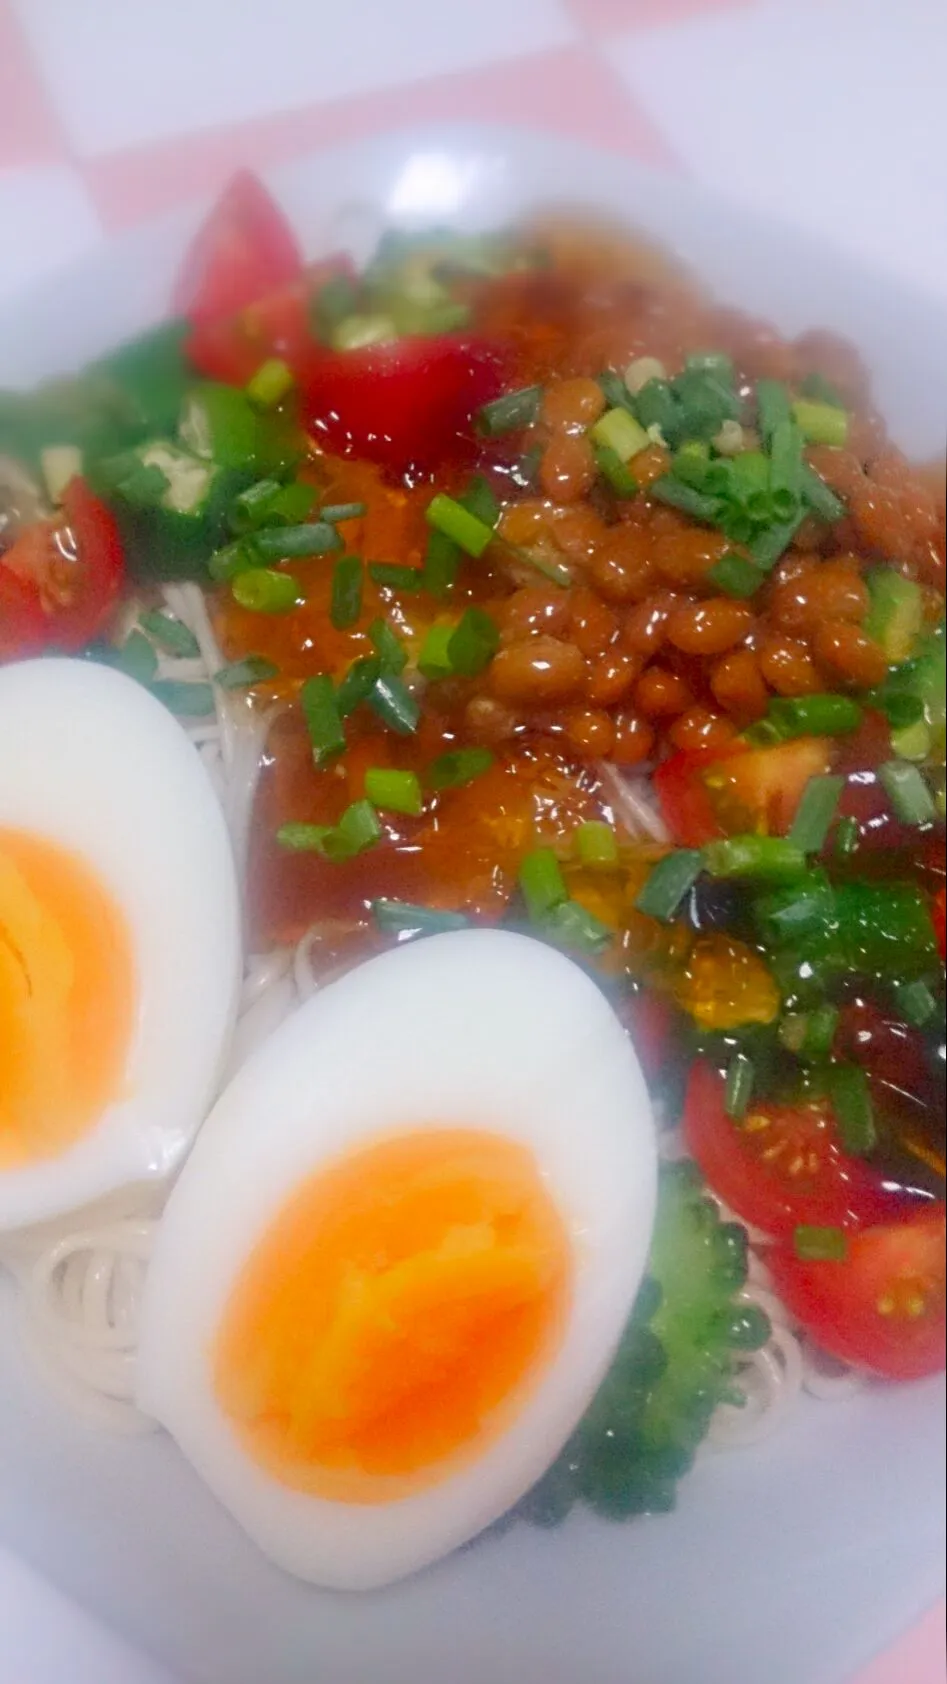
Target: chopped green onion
[171, 635]
[358, 684]
[508, 414]
[741, 1078]
[334, 512]
[619, 431]
[400, 917]
[684, 497]
[388, 646]
[323, 717]
[457, 767]
[810, 1034]
[908, 793]
[363, 328]
[784, 916]
[270, 384]
[612, 469]
[336, 299]
[473, 644]
[819, 497]
[446, 515]
[711, 362]
[691, 464]
[572, 925]
[525, 472]
[748, 473]
[189, 701]
[136, 658]
[303, 838]
[846, 837]
[915, 1002]
[759, 509]
[240, 675]
[434, 659]
[394, 704]
[815, 813]
[396, 792]
[668, 882]
[718, 479]
[442, 558]
[704, 403]
[218, 423]
[773, 406]
[854, 1113]
[735, 524]
[913, 742]
[392, 577]
[235, 558]
[784, 506]
[542, 883]
[819, 1245]
[252, 508]
[293, 504]
[766, 547]
[614, 390]
[357, 829]
[775, 858]
[479, 501]
[785, 453]
[814, 716]
[656, 406]
[902, 708]
[597, 845]
[264, 591]
[816, 386]
[278, 543]
[821, 423]
[346, 600]
[555, 571]
[735, 575]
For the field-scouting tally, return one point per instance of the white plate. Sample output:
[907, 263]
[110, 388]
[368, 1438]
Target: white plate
[788, 1564]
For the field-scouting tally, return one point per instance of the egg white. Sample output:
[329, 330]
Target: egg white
[482, 1029]
[93, 763]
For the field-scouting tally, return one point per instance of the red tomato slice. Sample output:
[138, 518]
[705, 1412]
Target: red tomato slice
[407, 404]
[706, 793]
[882, 1307]
[685, 799]
[22, 621]
[245, 249]
[782, 1165]
[232, 347]
[73, 567]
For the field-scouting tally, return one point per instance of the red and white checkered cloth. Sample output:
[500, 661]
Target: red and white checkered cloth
[829, 113]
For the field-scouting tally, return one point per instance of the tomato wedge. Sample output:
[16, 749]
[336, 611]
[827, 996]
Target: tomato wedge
[231, 347]
[246, 248]
[783, 1165]
[71, 570]
[882, 1306]
[22, 621]
[722, 792]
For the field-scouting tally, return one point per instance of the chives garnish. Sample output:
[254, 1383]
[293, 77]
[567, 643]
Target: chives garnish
[442, 558]
[619, 431]
[814, 716]
[509, 413]
[525, 472]
[704, 403]
[277, 543]
[457, 767]
[190, 701]
[303, 838]
[397, 792]
[357, 829]
[908, 793]
[572, 925]
[614, 390]
[759, 508]
[741, 1076]
[718, 477]
[388, 645]
[816, 386]
[775, 858]
[815, 813]
[767, 546]
[819, 497]
[614, 471]
[785, 451]
[555, 571]
[669, 881]
[270, 384]
[819, 1245]
[446, 515]
[821, 423]
[334, 512]
[262, 590]
[239, 675]
[336, 299]
[473, 643]
[542, 883]
[596, 844]
[711, 362]
[784, 505]
[656, 406]
[358, 684]
[749, 472]
[735, 524]
[846, 837]
[684, 497]
[171, 635]
[252, 507]
[323, 717]
[136, 658]
[400, 917]
[854, 1113]
[692, 465]
[479, 501]
[392, 577]
[233, 559]
[394, 704]
[434, 659]
[292, 504]
[915, 1002]
[810, 1034]
[346, 600]
[786, 915]
[735, 575]
[773, 406]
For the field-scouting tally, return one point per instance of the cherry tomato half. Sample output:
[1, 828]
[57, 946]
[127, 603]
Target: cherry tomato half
[722, 792]
[71, 567]
[22, 621]
[882, 1306]
[244, 249]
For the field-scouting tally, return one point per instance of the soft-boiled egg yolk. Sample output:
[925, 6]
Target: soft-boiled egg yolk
[390, 1321]
[67, 998]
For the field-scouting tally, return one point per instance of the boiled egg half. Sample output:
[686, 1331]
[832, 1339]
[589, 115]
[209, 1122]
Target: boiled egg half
[119, 938]
[398, 1262]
